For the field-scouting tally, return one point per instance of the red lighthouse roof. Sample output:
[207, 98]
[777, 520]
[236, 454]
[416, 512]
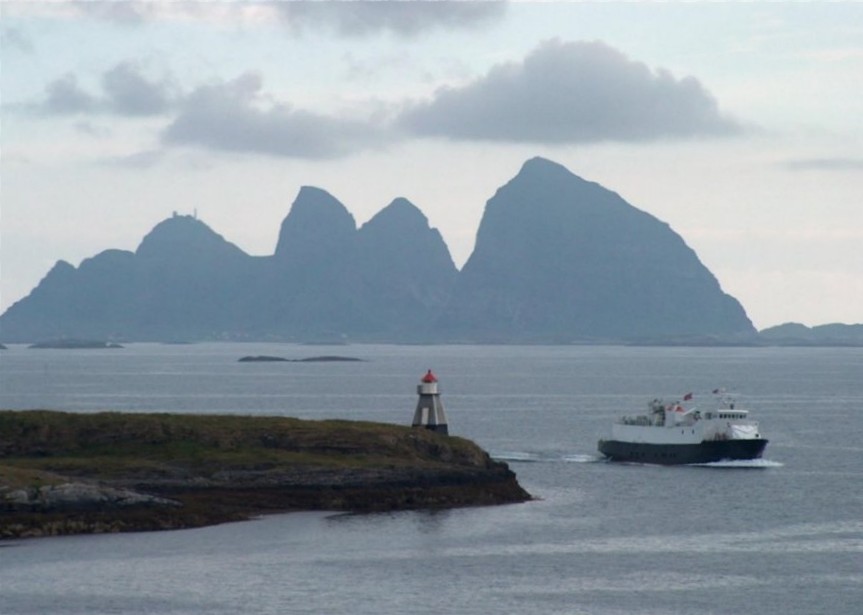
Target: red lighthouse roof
[429, 377]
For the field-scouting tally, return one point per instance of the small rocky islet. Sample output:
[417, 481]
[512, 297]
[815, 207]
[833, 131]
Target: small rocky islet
[74, 473]
[74, 344]
[276, 359]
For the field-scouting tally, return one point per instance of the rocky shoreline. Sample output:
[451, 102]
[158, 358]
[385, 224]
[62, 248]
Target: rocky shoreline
[63, 473]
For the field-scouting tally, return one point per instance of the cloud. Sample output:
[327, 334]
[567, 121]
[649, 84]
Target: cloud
[346, 18]
[129, 12]
[15, 38]
[825, 164]
[362, 18]
[92, 130]
[64, 96]
[139, 160]
[125, 91]
[126, 11]
[232, 116]
[129, 93]
[560, 93]
[227, 115]
[571, 93]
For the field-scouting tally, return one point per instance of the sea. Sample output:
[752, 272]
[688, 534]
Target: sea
[777, 536]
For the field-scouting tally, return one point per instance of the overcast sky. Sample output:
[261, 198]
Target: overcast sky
[740, 125]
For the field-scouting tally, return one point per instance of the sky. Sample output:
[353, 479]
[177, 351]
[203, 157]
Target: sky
[738, 124]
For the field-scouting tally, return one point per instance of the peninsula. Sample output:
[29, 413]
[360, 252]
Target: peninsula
[73, 473]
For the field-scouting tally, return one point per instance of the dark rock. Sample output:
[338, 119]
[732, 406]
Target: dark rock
[321, 359]
[328, 359]
[77, 496]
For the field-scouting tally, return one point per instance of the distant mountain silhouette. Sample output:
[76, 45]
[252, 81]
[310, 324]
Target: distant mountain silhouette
[326, 281]
[557, 259]
[306, 285]
[183, 282]
[404, 273]
[796, 334]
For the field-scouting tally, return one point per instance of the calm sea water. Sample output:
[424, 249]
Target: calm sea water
[779, 536]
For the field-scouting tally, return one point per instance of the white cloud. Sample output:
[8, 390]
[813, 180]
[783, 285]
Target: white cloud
[571, 93]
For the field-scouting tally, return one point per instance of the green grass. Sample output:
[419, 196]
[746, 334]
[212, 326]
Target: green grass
[112, 445]
[225, 468]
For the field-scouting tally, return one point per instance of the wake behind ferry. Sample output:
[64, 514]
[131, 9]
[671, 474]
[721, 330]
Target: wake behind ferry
[671, 434]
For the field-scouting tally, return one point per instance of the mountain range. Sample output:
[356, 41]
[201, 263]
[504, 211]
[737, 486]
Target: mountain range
[557, 259]
[796, 334]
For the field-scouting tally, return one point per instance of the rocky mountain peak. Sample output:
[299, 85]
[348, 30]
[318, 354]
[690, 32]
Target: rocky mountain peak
[399, 216]
[182, 237]
[316, 225]
[561, 258]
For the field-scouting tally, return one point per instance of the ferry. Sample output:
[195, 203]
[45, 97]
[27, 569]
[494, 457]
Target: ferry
[671, 434]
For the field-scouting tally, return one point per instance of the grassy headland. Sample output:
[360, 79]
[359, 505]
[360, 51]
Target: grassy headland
[75, 473]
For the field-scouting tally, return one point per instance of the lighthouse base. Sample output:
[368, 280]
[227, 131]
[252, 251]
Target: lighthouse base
[435, 428]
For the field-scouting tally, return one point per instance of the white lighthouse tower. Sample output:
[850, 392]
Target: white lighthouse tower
[430, 413]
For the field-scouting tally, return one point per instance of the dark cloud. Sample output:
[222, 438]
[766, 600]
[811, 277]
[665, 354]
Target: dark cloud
[825, 164]
[361, 18]
[231, 116]
[569, 93]
[129, 93]
[63, 95]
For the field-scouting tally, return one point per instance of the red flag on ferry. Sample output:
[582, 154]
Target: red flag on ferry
[687, 397]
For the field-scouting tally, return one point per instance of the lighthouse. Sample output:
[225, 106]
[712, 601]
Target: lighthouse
[430, 413]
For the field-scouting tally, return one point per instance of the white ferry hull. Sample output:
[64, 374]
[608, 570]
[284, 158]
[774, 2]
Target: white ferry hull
[679, 454]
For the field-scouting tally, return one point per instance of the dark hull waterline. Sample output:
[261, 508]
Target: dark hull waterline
[675, 454]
